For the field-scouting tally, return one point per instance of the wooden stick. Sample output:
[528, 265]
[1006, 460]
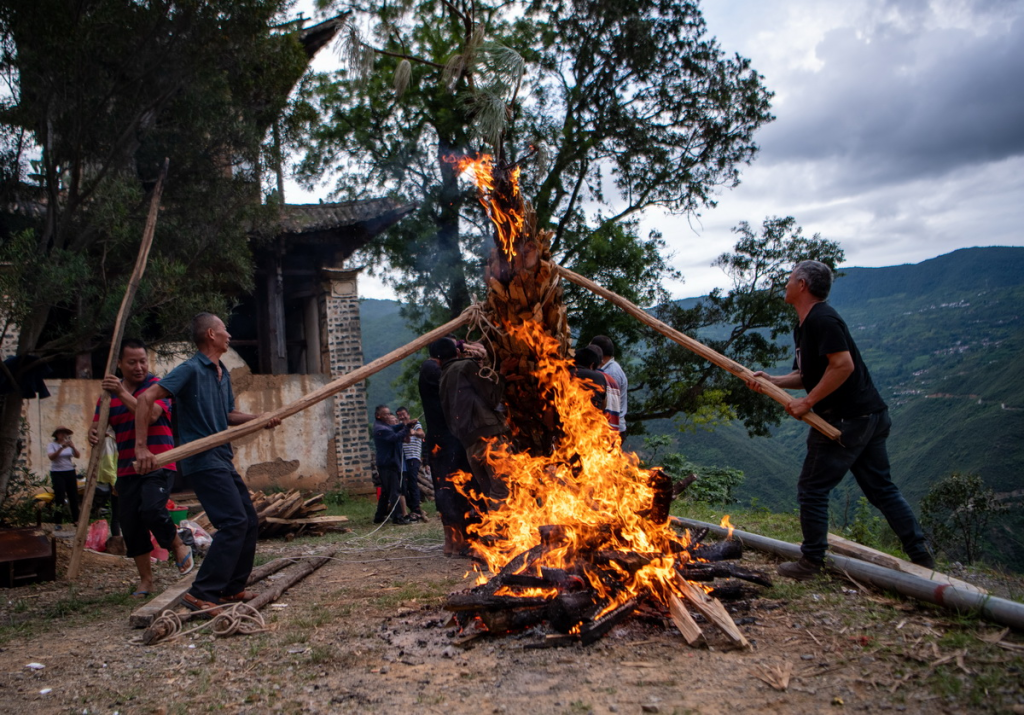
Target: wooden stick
[714, 611]
[329, 390]
[115, 348]
[688, 627]
[776, 393]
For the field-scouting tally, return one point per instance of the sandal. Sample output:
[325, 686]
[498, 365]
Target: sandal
[187, 563]
[209, 608]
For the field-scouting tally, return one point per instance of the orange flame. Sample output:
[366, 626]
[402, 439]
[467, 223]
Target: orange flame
[726, 524]
[508, 221]
[596, 496]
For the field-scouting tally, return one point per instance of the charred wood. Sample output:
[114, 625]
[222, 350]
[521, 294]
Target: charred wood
[727, 550]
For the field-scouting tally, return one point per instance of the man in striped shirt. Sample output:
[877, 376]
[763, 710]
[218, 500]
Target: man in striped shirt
[142, 499]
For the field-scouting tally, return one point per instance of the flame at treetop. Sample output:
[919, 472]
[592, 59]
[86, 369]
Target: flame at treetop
[595, 496]
[506, 212]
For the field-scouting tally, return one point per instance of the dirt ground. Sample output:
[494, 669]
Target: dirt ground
[367, 634]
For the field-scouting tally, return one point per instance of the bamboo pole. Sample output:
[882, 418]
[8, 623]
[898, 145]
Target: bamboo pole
[776, 393]
[950, 596]
[115, 346]
[329, 390]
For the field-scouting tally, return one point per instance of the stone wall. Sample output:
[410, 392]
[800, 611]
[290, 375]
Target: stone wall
[293, 455]
[343, 351]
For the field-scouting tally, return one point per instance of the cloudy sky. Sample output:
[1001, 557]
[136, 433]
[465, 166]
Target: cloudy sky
[899, 130]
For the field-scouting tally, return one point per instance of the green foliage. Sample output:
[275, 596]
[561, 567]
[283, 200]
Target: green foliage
[744, 324]
[714, 486]
[198, 83]
[628, 98]
[955, 514]
[866, 527]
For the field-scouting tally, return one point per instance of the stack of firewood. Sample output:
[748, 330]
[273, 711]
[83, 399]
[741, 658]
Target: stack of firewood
[287, 514]
[572, 612]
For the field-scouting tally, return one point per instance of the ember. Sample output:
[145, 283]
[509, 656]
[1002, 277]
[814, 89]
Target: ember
[583, 539]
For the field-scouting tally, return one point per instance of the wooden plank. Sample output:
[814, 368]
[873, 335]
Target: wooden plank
[845, 547]
[310, 520]
[714, 611]
[143, 616]
[684, 621]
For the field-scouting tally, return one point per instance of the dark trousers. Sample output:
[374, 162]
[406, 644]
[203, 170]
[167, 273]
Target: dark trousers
[410, 484]
[390, 489]
[143, 504]
[65, 488]
[228, 563]
[447, 456]
[862, 452]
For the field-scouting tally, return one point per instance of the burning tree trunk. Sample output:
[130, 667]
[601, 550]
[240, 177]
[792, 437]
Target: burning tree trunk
[583, 538]
[523, 287]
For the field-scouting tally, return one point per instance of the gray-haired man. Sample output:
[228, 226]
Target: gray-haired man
[839, 389]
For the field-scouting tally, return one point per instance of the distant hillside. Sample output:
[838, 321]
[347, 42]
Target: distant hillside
[383, 330]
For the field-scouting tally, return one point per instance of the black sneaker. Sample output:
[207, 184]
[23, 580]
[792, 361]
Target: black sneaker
[401, 521]
[802, 570]
[927, 561]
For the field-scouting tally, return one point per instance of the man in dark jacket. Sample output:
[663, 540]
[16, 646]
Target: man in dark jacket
[444, 452]
[388, 436]
[473, 412]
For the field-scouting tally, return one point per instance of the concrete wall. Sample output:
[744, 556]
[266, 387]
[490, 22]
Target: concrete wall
[298, 454]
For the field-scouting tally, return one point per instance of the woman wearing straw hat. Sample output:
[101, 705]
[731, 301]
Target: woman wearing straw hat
[62, 472]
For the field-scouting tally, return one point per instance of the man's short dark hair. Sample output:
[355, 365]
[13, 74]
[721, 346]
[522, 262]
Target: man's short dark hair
[588, 358]
[816, 275]
[401, 409]
[133, 343]
[605, 344]
[200, 324]
[443, 349]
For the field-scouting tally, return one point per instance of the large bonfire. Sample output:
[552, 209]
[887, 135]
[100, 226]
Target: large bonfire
[584, 536]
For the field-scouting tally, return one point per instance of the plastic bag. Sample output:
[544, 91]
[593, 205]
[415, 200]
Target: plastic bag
[199, 534]
[99, 531]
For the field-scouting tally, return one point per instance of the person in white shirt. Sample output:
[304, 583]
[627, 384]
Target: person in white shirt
[63, 474]
[611, 367]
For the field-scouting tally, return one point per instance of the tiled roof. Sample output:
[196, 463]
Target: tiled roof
[310, 218]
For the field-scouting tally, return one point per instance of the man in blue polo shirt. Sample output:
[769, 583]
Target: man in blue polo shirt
[205, 404]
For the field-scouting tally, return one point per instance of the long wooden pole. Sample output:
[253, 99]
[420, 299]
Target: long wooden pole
[115, 345]
[776, 393]
[330, 389]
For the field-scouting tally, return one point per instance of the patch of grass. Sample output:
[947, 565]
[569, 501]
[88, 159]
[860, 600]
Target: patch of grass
[314, 619]
[427, 591]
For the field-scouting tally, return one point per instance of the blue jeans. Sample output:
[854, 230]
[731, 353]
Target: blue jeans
[228, 563]
[862, 452]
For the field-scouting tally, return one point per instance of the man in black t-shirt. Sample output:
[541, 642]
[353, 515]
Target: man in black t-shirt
[839, 389]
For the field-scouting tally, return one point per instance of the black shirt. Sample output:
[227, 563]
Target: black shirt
[823, 332]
